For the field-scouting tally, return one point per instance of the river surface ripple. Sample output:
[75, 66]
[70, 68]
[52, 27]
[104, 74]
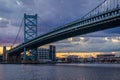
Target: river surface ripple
[60, 72]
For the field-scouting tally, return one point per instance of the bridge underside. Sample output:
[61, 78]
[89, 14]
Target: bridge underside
[95, 27]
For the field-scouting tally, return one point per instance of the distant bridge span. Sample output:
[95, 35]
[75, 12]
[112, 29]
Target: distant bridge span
[101, 21]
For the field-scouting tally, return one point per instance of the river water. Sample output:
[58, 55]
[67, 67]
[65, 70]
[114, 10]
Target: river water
[60, 72]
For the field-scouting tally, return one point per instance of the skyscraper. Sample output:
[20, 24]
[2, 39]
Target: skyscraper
[4, 53]
[52, 53]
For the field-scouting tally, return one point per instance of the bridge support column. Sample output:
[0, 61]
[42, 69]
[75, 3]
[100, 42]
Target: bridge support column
[30, 32]
[35, 53]
[27, 54]
[24, 55]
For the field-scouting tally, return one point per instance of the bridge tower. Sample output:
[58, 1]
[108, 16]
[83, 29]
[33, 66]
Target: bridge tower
[30, 27]
[30, 32]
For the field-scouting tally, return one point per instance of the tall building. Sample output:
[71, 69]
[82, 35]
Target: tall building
[52, 53]
[43, 54]
[47, 54]
[4, 53]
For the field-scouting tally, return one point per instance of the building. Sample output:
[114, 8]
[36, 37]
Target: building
[43, 54]
[72, 58]
[4, 53]
[46, 55]
[102, 56]
[105, 57]
[52, 53]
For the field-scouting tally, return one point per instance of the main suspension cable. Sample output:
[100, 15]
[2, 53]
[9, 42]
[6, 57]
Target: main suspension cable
[18, 32]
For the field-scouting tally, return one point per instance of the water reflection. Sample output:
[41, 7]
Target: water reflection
[57, 72]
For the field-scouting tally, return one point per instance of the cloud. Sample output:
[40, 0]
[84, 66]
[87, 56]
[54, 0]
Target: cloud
[4, 6]
[3, 22]
[25, 2]
[92, 44]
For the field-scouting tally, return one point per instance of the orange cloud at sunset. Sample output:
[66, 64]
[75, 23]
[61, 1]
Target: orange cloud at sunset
[81, 54]
[1, 49]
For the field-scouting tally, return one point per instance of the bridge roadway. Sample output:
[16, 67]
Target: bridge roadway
[101, 21]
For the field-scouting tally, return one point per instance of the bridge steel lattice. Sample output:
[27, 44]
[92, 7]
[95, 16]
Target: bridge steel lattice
[30, 32]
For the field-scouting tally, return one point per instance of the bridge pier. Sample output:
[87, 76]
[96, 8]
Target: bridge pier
[24, 55]
[30, 52]
[34, 52]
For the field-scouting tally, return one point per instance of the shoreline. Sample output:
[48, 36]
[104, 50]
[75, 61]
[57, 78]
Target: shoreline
[91, 65]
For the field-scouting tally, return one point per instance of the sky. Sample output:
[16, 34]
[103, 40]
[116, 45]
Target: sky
[52, 14]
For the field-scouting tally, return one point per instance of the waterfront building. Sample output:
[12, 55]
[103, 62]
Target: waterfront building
[72, 58]
[105, 57]
[52, 52]
[46, 55]
[43, 54]
[117, 59]
[4, 53]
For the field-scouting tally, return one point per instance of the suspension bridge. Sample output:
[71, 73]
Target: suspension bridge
[106, 15]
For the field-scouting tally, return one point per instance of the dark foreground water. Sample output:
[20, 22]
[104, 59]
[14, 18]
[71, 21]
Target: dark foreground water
[60, 72]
